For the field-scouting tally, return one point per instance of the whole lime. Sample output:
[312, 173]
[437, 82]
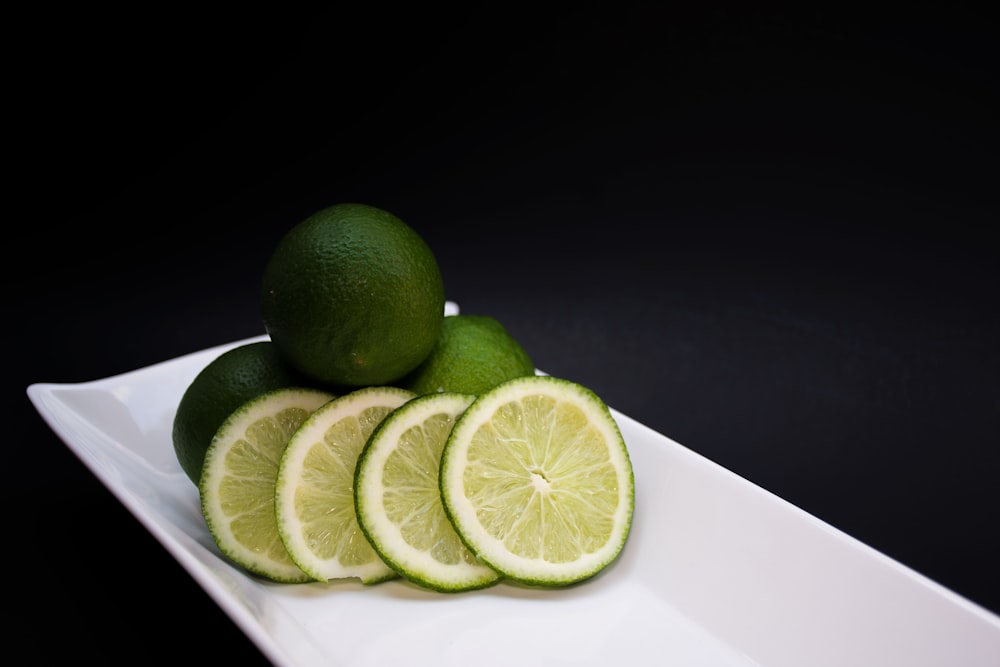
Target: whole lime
[352, 296]
[473, 354]
[227, 382]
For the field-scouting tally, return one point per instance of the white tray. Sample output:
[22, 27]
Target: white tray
[717, 571]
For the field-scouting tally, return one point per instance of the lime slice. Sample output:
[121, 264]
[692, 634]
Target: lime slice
[537, 481]
[398, 499]
[314, 492]
[237, 480]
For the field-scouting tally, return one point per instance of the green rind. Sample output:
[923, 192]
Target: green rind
[473, 354]
[352, 296]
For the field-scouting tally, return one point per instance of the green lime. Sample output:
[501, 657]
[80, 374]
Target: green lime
[352, 296]
[238, 479]
[226, 383]
[314, 491]
[537, 481]
[398, 500]
[473, 354]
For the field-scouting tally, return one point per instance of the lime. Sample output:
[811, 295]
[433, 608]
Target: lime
[398, 500]
[237, 481]
[314, 491]
[473, 353]
[226, 383]
[537, 481]
[353, 296]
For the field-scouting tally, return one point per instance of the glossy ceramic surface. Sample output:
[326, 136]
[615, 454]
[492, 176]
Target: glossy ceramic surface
[717, 571]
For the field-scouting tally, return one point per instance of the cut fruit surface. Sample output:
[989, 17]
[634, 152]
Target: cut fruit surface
[398, 498]
[238, 477]
[537, 481]
[314, 491]
[227, 382]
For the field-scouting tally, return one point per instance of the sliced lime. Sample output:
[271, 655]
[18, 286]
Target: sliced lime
[537, 481]
[238, 476]
[398, 499]
[314, 492]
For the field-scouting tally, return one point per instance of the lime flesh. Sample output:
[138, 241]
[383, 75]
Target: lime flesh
[314, 492]
[398, 499]
[537, 481]
[238, 480]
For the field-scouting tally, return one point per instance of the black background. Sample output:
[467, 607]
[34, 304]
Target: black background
[767, 234]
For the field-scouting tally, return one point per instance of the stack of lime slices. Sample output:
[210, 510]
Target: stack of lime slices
[530, 482]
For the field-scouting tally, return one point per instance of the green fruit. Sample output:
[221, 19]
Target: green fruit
[225, 384]
[352, 296]
[473, 354]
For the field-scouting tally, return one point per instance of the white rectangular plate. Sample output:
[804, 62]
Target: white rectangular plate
[717, 571]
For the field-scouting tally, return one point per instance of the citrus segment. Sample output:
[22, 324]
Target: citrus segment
[537, 481]
[237, 480]
[314, 491]
[398, 500]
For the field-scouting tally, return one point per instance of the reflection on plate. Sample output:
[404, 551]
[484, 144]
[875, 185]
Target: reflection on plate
[717, 571]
